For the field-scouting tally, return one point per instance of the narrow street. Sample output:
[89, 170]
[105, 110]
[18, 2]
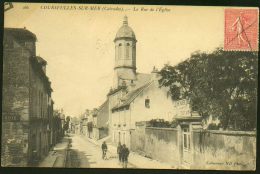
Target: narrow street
[85, 154]
[77, 151]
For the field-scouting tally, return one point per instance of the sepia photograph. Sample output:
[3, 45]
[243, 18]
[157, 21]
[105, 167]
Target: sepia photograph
[129, 86]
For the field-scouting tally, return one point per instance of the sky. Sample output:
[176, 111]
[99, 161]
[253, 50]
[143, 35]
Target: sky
[78, 43]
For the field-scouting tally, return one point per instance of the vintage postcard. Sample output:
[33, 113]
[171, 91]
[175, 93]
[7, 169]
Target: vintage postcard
[129, 86]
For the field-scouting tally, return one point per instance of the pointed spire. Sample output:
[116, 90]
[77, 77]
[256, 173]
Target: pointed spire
[125, 21]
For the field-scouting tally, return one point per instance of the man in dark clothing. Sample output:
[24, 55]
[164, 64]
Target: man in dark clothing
[104, 150]
[125, 153]
[119, 152]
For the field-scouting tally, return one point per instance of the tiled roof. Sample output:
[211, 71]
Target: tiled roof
[113, 91]
[41, 60]
[132, 95]
[142, 79]
[38, 67]
[126, 75]
[20, 33]
[103, 105]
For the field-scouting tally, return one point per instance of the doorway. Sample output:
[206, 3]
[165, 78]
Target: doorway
[186, 145]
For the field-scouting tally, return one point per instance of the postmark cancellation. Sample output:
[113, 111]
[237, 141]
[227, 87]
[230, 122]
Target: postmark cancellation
[241, 29]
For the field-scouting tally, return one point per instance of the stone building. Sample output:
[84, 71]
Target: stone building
[141, 104]
[84, 127]
[26, 101]
[51, 123]
[100, 121]
[136, 96]
[90, 122]
[72, 124]
[86, 120]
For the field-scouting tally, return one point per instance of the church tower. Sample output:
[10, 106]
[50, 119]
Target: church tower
[125, 55]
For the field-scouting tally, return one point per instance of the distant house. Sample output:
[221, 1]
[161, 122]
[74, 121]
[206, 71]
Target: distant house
[77, 127]
[72, 124]
[100, 121]
[84, 126]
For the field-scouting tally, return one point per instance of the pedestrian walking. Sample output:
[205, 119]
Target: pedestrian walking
[104, 150]
[125, 154]
[119, 152]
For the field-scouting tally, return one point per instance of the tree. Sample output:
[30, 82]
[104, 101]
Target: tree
[221, 84]
[159, 123]
[67, 122]
[57, 125]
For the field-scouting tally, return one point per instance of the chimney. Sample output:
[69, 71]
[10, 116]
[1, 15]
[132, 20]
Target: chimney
[42, 62]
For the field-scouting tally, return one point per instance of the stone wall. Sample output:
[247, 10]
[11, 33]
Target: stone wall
[15, 100]
[103, 132]
[156, 143]
[162, 144]
[102, 116]
[225, 150]
[15, 107]
[14, 144]
[218, 150]
[25, 125]
[137, 140]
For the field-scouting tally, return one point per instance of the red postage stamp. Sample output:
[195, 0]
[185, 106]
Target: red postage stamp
[241, 30]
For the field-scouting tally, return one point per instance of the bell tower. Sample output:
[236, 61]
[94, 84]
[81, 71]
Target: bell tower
[125, 55]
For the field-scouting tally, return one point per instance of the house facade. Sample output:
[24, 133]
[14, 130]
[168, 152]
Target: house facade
[142, 104]
[100, 122]
[27, 104]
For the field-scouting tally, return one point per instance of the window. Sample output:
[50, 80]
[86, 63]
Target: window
[120, 51]
[39, 103]
[124, 122]
[127, 50]
[29, 45]
[186, 139]
[147, 103]
[8, 43]
[42, 102]
[185, 129]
